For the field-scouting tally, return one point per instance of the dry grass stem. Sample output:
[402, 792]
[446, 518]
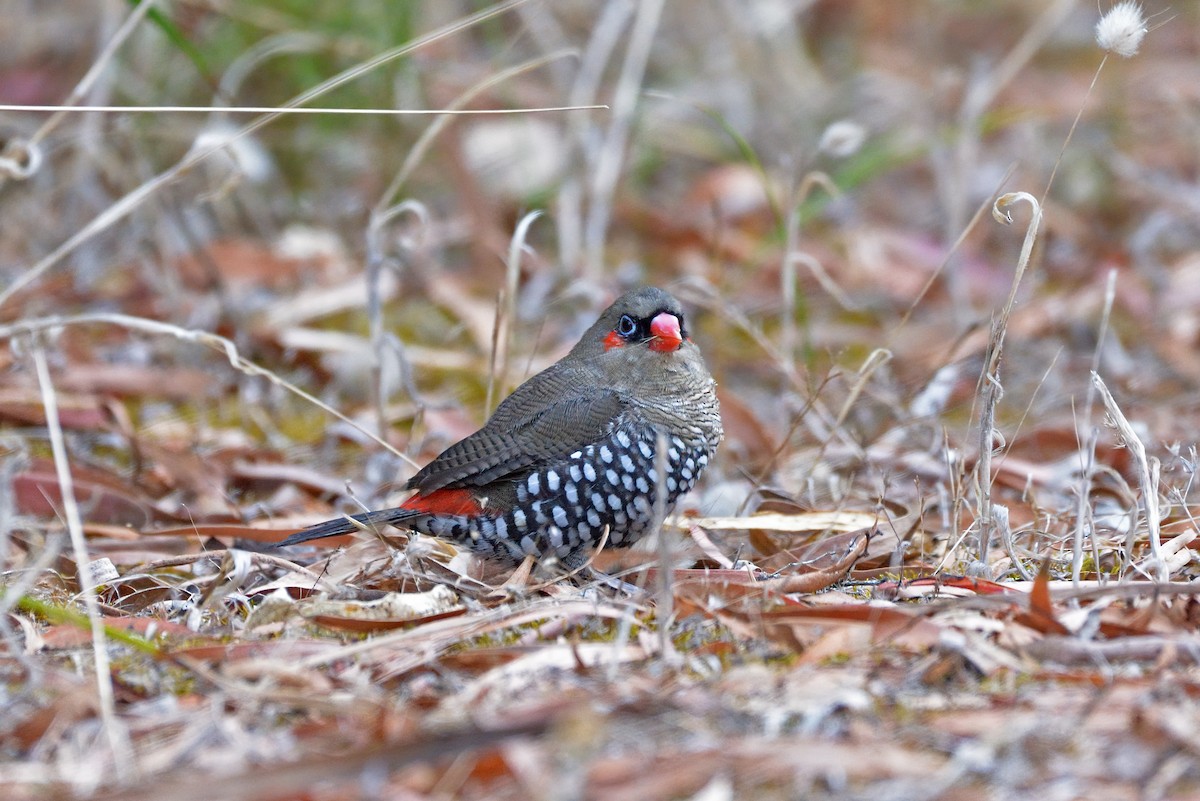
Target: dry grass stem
[1147, 469]
[97, 68]
[990, 388]
[377, 260]
[421, 146]
[1090, 435]
[459, 112]
[114, 732]
[611, 155]
[664, 605]
[506, 312]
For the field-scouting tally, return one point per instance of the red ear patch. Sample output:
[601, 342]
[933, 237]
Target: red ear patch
[613, 340]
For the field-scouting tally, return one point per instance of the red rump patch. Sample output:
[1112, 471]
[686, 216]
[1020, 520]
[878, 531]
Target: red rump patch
[445, 502]
[613, 340]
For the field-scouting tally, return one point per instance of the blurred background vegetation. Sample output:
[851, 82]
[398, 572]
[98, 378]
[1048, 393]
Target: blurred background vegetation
[812, 177]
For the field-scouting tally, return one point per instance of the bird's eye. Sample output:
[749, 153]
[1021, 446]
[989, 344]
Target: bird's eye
[627, 326]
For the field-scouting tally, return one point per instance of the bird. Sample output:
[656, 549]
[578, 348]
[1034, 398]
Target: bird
[567, 462]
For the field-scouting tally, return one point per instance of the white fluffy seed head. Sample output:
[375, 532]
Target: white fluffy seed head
[842, 138]
[1121, 30]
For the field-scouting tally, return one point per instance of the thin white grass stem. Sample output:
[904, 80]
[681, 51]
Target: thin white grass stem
[1083, 509]
[215, 341]
[1148, 473]
[826, 281]
[787, 325]
[789, 336]
[602, 41]
[991, 379]
[877, 358]
[1088, 454]
[993, 391]
[282, 110]
[664, 611]
[507, 310]
[941, 268]
[607, 170]
[1074, 124]
[375, 262]
[399, 51]
[117, 742]
[1040, 32]
[979, 96]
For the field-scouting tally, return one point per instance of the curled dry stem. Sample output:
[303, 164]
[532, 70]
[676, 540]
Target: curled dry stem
[990, 387]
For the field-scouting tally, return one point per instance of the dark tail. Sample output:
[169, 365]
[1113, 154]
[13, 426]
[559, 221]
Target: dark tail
[342, 525]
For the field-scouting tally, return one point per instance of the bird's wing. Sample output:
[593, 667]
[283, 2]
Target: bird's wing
[523, 434]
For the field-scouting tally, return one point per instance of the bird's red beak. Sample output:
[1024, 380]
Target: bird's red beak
[665, 328]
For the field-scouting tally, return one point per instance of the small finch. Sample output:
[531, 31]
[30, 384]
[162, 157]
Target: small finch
[567, 462]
